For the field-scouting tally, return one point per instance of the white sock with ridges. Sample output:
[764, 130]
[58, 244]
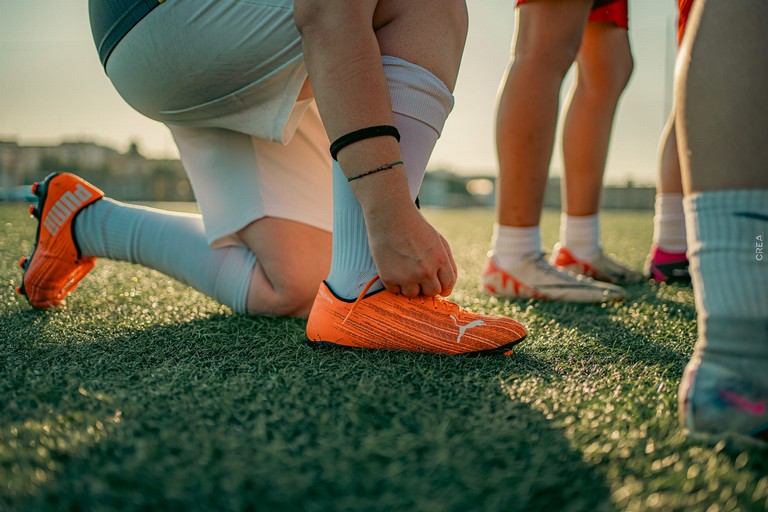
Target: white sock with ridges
[511, 244]
[669, 223]
[172, 243]
[729, 269]
[580, 235]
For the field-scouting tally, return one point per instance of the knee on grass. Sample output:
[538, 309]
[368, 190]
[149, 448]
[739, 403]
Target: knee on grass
[292, 296]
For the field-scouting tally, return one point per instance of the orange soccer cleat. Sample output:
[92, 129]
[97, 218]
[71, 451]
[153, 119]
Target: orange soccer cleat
[56, 267]
[386, 321]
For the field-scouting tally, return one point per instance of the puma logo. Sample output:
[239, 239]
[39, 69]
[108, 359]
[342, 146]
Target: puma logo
[465, 328]
[756, 408]
[65, 207]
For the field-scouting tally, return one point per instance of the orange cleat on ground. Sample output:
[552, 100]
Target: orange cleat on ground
[56, 267]
[386, 321]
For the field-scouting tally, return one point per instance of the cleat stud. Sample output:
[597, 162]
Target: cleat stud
[18, 290]
[33, 211]
[35, 187]
[23, 262]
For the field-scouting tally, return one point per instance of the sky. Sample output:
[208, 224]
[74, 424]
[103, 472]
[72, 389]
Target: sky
[53, 88]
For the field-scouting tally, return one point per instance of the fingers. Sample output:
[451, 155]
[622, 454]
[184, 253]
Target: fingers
[429, 283]
[448, 280]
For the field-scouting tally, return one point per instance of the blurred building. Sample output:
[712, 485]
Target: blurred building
[130, 176]
[126, 176]
[444, 189]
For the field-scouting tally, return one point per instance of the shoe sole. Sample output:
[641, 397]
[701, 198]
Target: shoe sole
[668, 271]
[505, 350]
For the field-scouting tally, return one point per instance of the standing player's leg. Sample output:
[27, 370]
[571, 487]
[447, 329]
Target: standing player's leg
[548, 36]
[722, 129]
[667, 260]
[604, 65]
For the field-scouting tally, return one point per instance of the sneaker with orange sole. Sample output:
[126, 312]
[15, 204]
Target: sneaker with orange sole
[386, 321]
[601, 268]
[535, 278]
[55, 267]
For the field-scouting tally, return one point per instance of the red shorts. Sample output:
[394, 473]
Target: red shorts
[683, 9]
[615, 12]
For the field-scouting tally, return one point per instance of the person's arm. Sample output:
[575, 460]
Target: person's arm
[344, 65]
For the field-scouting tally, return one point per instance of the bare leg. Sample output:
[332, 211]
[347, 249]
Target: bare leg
[667, 261]
[549, 34]
[721, 125]
[604, 67]
[548, 37]
[669, 180]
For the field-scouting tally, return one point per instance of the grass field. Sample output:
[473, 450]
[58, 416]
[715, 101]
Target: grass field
[146, 395]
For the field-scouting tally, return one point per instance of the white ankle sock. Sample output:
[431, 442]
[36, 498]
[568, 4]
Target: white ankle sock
[729, 269]
[511, 244]
[421, 103]
[580, 235]
[669, 223]
[172, 243]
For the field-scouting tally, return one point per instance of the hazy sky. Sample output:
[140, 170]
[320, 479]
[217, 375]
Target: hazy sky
[52, 87]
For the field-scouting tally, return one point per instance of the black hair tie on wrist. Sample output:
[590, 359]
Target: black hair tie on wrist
[362, 134]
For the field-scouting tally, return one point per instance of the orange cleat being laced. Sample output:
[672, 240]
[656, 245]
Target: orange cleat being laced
[56, 267]
[386, 321]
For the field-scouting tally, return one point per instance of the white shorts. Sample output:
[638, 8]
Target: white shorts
[224, 76]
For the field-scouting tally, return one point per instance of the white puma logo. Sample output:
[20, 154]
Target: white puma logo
[63, 209]
[465, 328]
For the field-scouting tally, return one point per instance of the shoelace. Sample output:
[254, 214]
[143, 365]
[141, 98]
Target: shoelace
[437, 302]
[542, 264]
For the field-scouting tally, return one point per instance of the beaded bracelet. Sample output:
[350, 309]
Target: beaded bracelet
[384, 167]
[362, 134]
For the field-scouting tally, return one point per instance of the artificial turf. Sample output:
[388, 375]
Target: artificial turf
[145, 395]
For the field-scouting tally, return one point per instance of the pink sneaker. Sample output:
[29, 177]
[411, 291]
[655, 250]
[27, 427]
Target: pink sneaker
[667, 267]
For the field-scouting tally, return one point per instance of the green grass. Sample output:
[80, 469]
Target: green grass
[144, 394]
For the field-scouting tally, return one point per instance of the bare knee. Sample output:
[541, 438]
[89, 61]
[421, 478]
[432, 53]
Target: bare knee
[428, 33]
[543, 55]
[607, 78]
[291, 297]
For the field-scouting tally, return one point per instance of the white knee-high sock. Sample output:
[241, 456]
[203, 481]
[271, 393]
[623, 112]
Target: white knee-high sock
[729, 270]
[172, 243]
[420, 103]
[669, 223]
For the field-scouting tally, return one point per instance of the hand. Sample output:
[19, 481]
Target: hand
[411, 256]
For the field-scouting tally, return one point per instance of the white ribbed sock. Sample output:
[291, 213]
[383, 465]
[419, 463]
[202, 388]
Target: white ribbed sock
[172, 243]
[420, 103]
[511, 244]
[669, 223]
[729, 270]
[580, 235]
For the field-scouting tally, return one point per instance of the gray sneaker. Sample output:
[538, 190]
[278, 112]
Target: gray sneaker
[535, 278]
